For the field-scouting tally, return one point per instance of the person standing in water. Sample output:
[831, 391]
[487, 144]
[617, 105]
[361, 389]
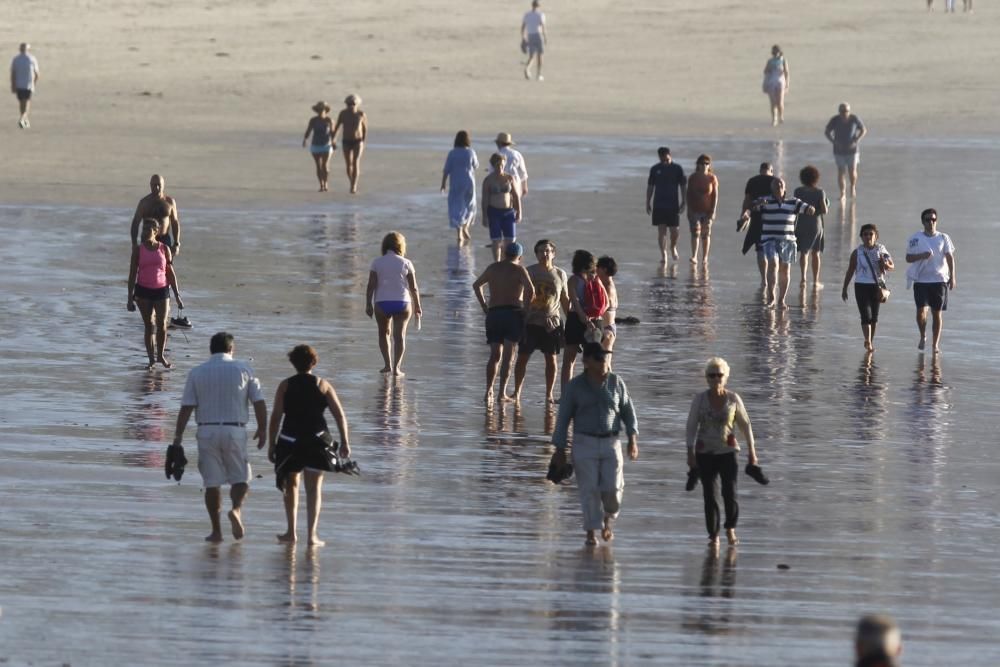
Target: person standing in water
[510, 289]
[868, 265]
[161, 207]
[501, 205]
[598, 405]
[931, 256]
[702, 202]
[757, 187]
[778, 219]
[665, 200]
[460, 168]
[845, 131]
[392, 291]
[776, 84]
[322, 147]
[809, 237]
[355, 133]
[150, 278]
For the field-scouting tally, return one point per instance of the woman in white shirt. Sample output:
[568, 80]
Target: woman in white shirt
[867, 266]
[392, 290]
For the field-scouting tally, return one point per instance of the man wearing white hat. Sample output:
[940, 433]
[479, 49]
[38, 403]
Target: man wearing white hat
[513, 161]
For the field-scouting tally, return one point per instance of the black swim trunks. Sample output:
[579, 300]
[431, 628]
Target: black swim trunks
[671, 217]
[934, 295]
[504, 323]
[537, 337]
[350, 144]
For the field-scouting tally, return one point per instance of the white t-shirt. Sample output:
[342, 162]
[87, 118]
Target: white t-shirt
[533, 22]
[934, 269]
[392, 271]
[24, 66]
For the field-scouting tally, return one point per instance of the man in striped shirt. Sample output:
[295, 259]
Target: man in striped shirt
[778, 217]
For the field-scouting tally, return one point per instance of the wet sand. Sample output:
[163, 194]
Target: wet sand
[451, 548]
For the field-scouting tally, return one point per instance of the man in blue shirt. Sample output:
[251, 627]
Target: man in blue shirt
[598, 404]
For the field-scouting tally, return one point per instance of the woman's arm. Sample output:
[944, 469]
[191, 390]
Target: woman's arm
[784, 65]
[743, 423]
[887, 263]
[337, 410]
[411, 279]
[691, 433]
[852, 265]
[172, 276]
[340, 121]
[132, 270]
[277, 412]
[574, 299]
[309, 129]
[370, 293]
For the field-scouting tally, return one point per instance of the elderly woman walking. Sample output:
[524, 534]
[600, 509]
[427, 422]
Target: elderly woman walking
[460, 167]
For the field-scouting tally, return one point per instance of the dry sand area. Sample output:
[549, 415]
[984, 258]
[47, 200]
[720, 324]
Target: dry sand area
[216, 94]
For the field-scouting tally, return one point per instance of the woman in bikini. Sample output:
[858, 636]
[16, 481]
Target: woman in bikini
[150, 279]
[355, 124]
[321, 128]
[501, 206]
[392, 288]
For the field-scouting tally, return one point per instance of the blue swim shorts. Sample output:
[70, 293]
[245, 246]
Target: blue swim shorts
[502, 223]
[781, 249]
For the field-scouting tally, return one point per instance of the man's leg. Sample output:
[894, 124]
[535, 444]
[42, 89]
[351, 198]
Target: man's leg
[674, 235]
[922, 326]
[586, 467]
[506, 358]
[695, 237]
[706, 241]
[550, 377]
[842, 180]
[771, 272]
[784, 268]
[213, 503]
[853, 172]
[762, 267]
[612, 481]
[938, 323]
[662, 238]
[237, 494]
[520, 369]
[291, 499]
[539, 68]
[527, 65]
[491, 372]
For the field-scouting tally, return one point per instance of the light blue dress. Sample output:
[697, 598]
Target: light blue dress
[460, 168]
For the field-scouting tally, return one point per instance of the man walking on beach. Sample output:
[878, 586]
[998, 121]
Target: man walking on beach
[544, 322]
[665, 200]
[778, 217]
[510, 288]
[218, 392]
[534, 38]
[931, 257]
[23, 77]
[159, 206]
[845, 131]
[598, 404]
[757, 187]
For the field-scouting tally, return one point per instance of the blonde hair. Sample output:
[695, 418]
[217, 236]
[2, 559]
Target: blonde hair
[717, 363]
[394, 241]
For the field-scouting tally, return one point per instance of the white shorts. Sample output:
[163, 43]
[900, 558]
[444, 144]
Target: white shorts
[847, 161]
[222, 455]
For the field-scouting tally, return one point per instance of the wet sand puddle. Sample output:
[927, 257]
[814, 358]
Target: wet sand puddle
[451, 548]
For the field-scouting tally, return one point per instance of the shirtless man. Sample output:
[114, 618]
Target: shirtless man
[355, 124]
[510, 288]
[161, 207]
[543, 330]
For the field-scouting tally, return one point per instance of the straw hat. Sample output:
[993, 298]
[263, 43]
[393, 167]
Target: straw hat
[504, 139]
[320, 106]
[352, 99]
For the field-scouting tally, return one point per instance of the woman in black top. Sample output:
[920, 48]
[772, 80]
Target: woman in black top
[299, 404]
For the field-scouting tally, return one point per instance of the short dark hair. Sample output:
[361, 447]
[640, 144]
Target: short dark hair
[582, 261]
[221, 342]
[303, 357]
[594, 351]
[868, 227]
[462, 139]
[542, 243]
[609, 265]
[809, 175]
[662, 150]
[928, 211]
[764, 166]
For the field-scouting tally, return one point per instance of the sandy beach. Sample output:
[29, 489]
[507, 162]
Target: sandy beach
[216, 95]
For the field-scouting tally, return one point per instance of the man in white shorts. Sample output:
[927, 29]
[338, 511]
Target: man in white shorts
[533, 39]
[845, 131]
[218, 392]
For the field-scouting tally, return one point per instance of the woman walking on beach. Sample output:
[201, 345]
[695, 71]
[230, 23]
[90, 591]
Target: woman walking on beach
[355, 124]
[776, 84]
[583, 323]
[301, 445]
[150, 278]
[712, 447]
[392, 291]
[501, 205]
[702, 201]
[868, 265]
[321, 128]
[461, 167]
[809, 228]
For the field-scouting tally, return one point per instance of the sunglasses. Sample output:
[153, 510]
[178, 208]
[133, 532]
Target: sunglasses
[715, 375]
[930, 219]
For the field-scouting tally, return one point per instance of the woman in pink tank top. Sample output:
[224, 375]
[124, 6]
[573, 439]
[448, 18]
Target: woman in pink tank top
[150, 278]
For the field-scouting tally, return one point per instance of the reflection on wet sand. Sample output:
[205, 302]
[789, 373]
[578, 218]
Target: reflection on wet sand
[717, 580]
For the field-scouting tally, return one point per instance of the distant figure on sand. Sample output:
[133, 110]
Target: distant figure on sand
[24, 76]
[712, 447]
[598, 404]
[867, 266]
[392, 291]
[809, 238]
[162, 208]
[460, 167]
[355, 133]
[501, 205]
[543, 328]
[776, 84]
[666, 197]
[510, 289]
[931, 257]
[845, 131]
[218, 393]
[877, 642]
[298, 409]
[322, 147]
[150, 278]
[778, 219]
[533, 39]
[702, 202]
[757, 186]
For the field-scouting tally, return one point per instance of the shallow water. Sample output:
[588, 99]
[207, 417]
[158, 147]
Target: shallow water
[451, 548]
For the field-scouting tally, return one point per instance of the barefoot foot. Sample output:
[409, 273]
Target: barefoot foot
[166, 364]
[488, 398]
[237, 523]
[731, 537]
[214, 538]
[606, 533]
[287, 538]
[921, 344]
[314, 541]
[399, 374]
[385, 371]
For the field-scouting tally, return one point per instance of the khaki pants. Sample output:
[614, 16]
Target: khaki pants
[597, 464]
